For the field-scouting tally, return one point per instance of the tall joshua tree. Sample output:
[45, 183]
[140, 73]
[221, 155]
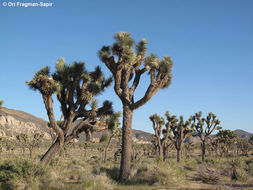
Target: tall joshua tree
[179, 131]
[75, 89]
[127, 67]
[204, 127]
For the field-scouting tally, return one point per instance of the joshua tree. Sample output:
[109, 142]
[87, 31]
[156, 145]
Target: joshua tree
[226, 138]
[158, 123]
[29, 142]
[75, 89]
[242, 145]
[113, 124]
[161, 137]
[179, 131]
[126, 66]
[204, 127]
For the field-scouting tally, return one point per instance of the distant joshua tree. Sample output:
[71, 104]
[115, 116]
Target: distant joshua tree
[125, 65]
[29, 142]
[225, 139]
[204, 128]
[179, 131]
[75, 89]
[161, 137]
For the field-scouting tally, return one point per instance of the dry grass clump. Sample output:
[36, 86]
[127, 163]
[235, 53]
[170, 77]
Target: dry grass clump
[209, 174]
[161, 175]
[103, 181]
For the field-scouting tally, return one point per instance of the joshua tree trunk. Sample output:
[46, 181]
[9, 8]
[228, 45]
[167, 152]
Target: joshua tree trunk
[203, 146]
[106, 147]
[126, 144]
[178, 155]
[164, 153]
[160, 151]
[52, 151]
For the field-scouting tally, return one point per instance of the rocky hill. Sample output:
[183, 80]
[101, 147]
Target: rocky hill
[13, 122]
[243, 134]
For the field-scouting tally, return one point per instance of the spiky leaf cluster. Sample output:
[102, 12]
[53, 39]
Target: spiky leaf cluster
[44, 82]
[157, 119]
[112, 121]
[123, 47]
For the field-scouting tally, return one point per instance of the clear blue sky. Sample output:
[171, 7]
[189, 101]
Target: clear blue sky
[210, 42]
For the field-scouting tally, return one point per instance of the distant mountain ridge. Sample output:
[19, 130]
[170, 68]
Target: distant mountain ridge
[13, 122]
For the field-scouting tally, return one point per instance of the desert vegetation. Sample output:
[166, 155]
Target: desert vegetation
[171, 160]
[84, 166]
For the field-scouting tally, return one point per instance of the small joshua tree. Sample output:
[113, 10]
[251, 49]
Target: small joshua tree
[179, 131]
[158, 123]
[204, 128]
[113, 124]
[126, 66]
[161, 137]
[75, 89]
[28, 142]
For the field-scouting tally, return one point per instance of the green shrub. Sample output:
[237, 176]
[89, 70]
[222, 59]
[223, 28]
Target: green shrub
[238, 170]
[161, 174]
[25, 174]
[238, 162]
[239, 174]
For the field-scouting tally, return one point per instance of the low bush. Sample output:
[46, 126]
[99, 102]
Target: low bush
[209, 174]
[238, 170]
[23, 174]
[162, 174]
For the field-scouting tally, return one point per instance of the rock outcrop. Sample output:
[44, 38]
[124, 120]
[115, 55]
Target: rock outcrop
[13, 122]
